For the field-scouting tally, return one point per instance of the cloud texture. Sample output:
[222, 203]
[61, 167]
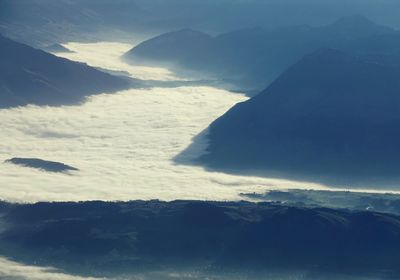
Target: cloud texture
[122, 143]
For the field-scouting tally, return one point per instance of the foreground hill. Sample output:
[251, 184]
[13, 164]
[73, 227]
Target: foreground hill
[331, 117]
[108, 239]
[31, 76]
[251, 58]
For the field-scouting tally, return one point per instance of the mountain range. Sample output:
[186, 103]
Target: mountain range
[252, 58]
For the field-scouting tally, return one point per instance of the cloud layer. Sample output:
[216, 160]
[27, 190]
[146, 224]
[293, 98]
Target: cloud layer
[123, 144]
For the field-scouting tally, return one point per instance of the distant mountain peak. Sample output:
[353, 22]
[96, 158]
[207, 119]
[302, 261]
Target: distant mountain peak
[181, 42]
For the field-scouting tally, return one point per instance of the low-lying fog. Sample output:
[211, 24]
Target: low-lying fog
[122, 143]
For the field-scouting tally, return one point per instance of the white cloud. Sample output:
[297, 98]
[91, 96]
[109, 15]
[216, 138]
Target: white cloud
[107, 55]
[122, 143]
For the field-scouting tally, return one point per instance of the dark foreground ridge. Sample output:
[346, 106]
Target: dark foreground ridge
[106, 238]
[50, 166]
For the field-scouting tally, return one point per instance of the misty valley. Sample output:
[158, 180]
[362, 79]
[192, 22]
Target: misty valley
[145, 139]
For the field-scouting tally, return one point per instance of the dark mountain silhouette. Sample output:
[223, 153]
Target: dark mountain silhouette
[106, 238]
[50, 166]
[31, 76]
[179, 44]
[331, 116]
[173, 50]
[252, 58]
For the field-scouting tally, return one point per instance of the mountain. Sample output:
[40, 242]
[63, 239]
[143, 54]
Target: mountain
[252, 58]
[179, 44]
[172, 50]
[32, 76]
[240, 239]
[332, 117]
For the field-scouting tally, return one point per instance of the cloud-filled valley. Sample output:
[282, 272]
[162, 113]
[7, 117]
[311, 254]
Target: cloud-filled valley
[216, 140]
[121, 143]
[199, 139]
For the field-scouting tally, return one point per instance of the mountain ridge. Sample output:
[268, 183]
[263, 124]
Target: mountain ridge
[32, 76]
[254, 57]
[331, 116]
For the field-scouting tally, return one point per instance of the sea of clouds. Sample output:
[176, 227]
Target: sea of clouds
[123, 143]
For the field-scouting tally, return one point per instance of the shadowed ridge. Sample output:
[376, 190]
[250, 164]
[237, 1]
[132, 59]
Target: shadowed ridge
[32, 76]
[330, 118]
[172, 44]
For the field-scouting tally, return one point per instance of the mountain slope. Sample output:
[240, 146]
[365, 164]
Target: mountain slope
[331, 116]
[31, 76]
[179, 43]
